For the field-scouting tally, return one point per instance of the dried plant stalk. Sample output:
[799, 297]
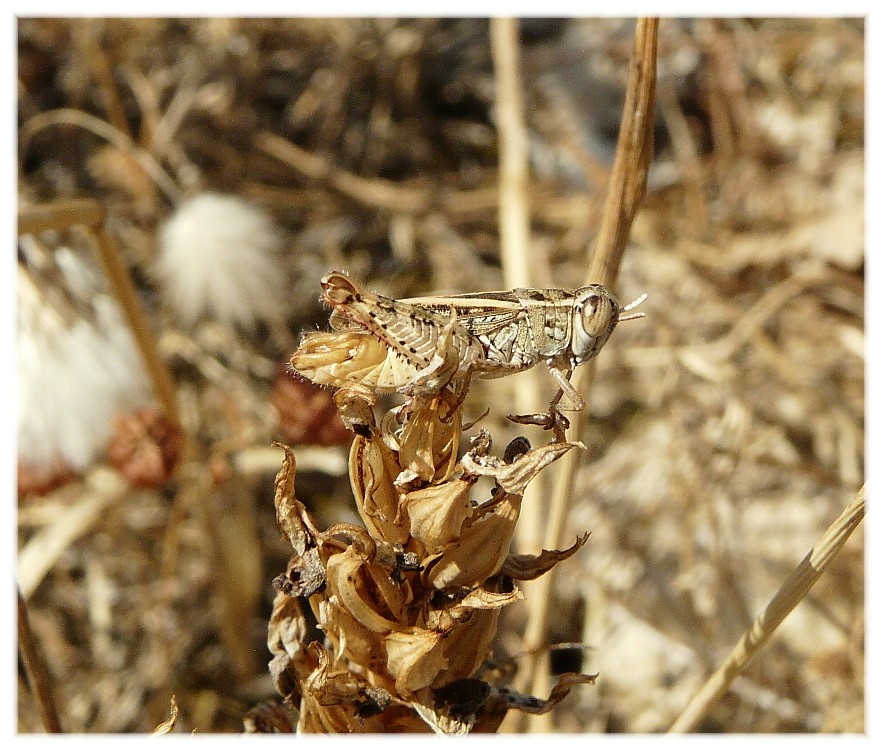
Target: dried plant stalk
[514, 232]
[409, 602]
[626, 189]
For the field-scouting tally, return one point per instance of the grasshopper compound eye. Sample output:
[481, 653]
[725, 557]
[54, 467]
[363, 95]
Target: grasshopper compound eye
[596, 315]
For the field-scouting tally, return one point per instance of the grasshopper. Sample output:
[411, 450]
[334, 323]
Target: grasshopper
[487, 334]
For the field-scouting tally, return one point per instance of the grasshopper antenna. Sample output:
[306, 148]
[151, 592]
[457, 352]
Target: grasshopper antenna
[638, 301]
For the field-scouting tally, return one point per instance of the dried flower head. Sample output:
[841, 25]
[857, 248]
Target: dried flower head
[219, 258]
[409, 602]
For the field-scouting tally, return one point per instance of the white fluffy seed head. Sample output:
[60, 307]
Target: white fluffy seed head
[220, 258]
[74, 375]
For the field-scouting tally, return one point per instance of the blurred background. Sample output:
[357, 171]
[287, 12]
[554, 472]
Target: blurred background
[236, 161]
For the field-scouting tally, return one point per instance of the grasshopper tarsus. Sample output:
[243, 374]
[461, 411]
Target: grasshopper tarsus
[553, 419]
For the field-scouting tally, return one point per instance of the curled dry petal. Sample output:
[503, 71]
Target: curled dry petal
[514, 477]
[531, 705]
[429, 445]
[480, 552]
[530, 567]
[292, 517]
[483, 598]
[286, 640]
[372, 470]
[366, 591]
[355, 404]
[337, 700]
[468, 634]
[415, 658]
[350, 640]
[437, 512]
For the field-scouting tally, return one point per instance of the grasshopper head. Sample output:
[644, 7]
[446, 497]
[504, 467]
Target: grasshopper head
[595, 317]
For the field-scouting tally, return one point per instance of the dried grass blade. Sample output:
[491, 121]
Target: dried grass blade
[793, 590]
[35, 668]
[37, 557]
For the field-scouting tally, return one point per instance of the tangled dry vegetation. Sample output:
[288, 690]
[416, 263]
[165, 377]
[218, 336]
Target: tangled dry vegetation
[725, 431]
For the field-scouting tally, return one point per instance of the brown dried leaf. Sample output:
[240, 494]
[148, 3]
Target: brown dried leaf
[530, 567]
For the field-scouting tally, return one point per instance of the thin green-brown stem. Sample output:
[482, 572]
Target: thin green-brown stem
[793, 591]
[626, 189]
[66, 116]
[127, 296]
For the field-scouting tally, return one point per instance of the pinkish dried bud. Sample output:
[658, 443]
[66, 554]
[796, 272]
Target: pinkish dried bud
[307, 415]
[145, 447]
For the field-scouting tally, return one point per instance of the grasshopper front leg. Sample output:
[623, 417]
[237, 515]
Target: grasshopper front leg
[554, 419]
